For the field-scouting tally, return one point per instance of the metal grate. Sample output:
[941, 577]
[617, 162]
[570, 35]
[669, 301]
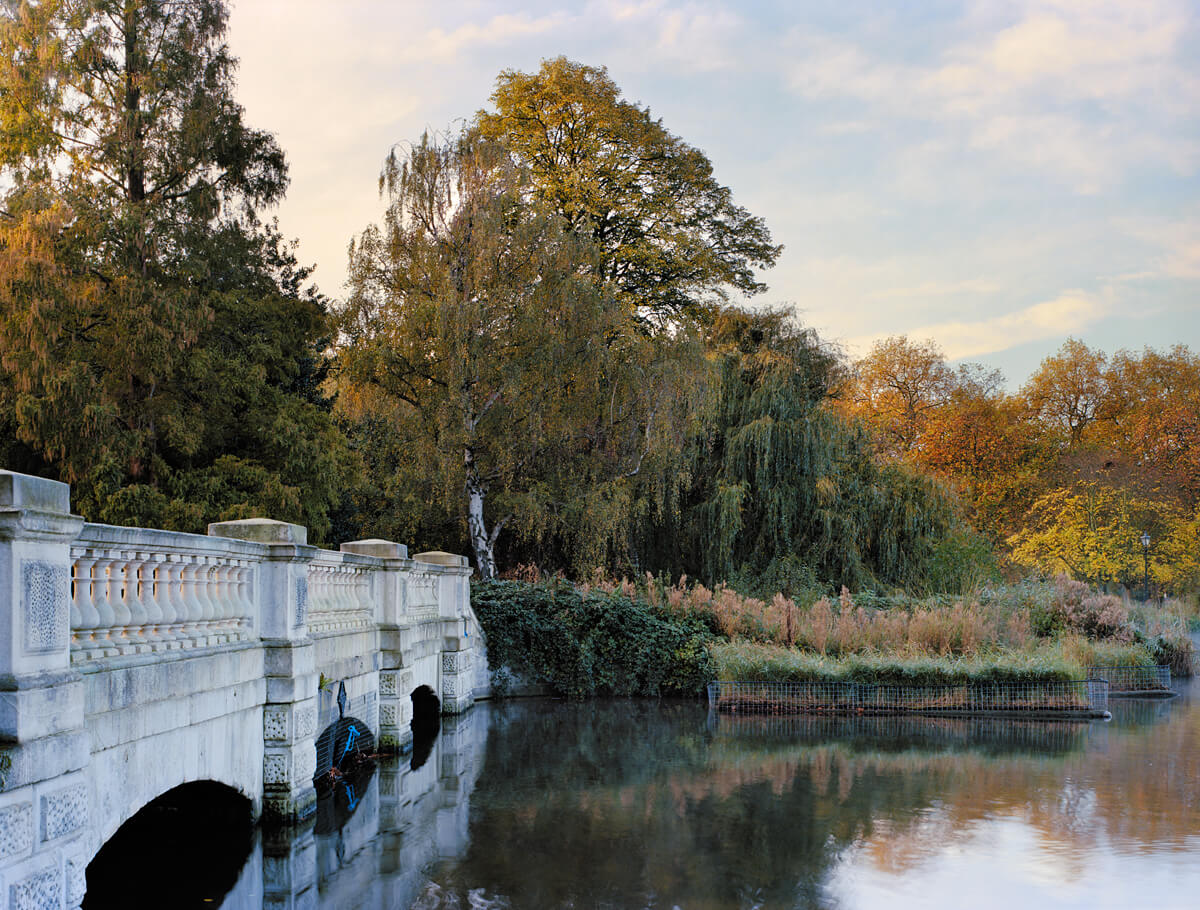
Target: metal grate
[1049, 697]
[1133, 679]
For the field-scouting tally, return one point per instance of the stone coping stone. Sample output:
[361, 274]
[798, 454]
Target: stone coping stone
[385, 549]
[440, 558]
[261, 530]
[24, 491]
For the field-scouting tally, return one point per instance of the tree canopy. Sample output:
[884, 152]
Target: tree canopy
[669, 239]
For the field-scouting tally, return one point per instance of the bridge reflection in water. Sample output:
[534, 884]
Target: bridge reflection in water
[372, 837]
[544, 804]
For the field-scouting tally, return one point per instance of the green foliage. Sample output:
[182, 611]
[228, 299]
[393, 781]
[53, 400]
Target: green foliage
[591, 644]
[781, 487]
[962, 561]
[156, 347]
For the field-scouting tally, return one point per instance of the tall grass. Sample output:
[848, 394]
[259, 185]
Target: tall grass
[1087, 627]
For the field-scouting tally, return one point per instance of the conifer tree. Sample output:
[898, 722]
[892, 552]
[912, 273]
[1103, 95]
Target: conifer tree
[154, 336]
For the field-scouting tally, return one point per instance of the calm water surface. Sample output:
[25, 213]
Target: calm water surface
[544, 804]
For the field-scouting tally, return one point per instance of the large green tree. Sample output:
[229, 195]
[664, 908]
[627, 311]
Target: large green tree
[476, 332]
[669, 238]
[156, 346]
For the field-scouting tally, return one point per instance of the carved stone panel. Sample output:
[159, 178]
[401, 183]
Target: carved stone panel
[64, 811]
[46, 590]
[387, 683]
[37, 892]
[301, 600]
[16, 829]
[275, 723]
[306, 721]
[275, 769]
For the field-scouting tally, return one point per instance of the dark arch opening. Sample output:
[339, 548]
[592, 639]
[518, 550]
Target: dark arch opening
[184, 849]
[426, 724]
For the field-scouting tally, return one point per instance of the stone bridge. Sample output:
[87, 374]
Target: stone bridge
[133, 661]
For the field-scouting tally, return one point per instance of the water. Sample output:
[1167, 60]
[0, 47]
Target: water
[545, 804]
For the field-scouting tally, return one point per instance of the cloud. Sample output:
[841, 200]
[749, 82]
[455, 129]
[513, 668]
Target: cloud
[1175, 241]
[1069, 313]
[938, 289]
[1085, 93]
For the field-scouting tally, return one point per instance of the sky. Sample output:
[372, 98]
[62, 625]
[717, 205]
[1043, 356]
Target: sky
[997, 175]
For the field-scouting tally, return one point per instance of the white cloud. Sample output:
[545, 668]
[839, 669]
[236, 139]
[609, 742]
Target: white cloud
[1069, 313]
[1085, 93]
[938, 289]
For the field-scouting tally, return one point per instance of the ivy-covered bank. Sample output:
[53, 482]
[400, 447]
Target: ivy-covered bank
[585, 643]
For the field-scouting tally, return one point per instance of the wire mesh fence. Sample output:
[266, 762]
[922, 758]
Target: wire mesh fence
[1067, 698]
[1123, 680]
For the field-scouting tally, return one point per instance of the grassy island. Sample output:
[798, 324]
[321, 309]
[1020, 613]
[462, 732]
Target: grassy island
[608, 637]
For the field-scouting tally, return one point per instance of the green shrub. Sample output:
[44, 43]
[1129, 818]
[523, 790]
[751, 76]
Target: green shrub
[596, 643]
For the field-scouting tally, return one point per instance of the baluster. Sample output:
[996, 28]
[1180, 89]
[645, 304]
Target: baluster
[208, 606]
[244, 576]
[180, 630]
[343, 601]
[166, 630]
[83, 606]
[119, 626]
[102, 591]
[193, 608]
[220, 595]
[223, 594]
[131, 603]
[148, 603]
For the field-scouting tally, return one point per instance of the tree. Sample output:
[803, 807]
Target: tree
[1070, 390]
[1155, 406]
[475, 328]
[783, 490]
[154, 337]
[896, 388]
[1092, 532]
[669, 238]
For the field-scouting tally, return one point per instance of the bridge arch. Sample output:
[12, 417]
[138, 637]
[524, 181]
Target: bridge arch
[192, 840]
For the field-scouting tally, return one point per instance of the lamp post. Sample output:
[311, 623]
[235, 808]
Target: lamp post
[1146, 560]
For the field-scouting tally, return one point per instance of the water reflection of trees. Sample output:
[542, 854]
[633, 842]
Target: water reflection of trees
[642, 804]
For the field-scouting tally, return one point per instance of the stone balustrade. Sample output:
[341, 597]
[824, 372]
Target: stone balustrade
[421, 593]
[340, 593]
[137, 591]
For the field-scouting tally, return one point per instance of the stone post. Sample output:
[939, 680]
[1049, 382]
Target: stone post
[395, 707]
[290, 712]
[43, 745]
[457, 676]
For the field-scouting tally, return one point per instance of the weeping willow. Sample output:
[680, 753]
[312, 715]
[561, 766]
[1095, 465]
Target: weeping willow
[783, 490]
